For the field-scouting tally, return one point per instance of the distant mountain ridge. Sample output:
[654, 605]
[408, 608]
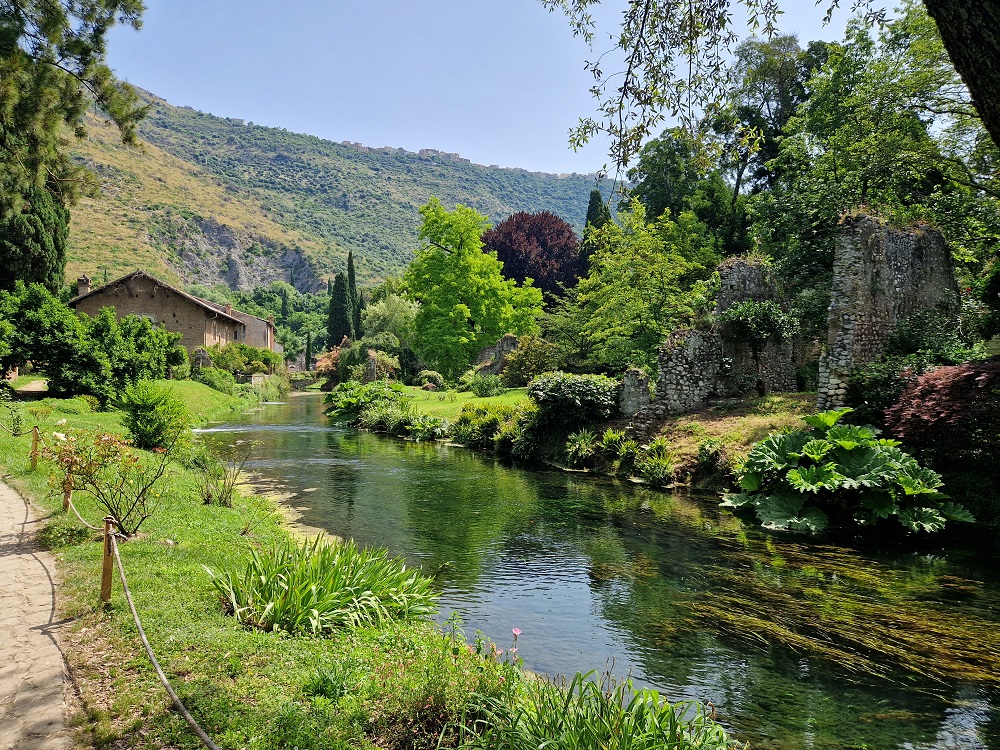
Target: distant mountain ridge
[216, 200]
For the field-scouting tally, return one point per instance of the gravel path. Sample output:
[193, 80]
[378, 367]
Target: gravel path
[32, 674]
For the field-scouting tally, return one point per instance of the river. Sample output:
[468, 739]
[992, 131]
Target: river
[796, 644]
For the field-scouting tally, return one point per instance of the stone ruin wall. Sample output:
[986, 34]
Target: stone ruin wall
[881, 276]
[694, 366]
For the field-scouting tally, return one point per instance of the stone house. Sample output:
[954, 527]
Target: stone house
[201, 323]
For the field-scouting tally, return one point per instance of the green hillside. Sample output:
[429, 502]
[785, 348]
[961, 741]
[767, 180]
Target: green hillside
[213, 200]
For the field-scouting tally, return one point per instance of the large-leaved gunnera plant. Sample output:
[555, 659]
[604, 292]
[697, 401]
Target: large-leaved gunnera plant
[834, 473]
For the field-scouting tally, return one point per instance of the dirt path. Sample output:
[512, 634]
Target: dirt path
[32, 675]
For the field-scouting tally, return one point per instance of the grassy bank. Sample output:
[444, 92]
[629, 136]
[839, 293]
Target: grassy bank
[395, 685]
[448, 404]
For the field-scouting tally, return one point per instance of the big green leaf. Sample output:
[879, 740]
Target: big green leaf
[922, 519]
[956, 512]
[864, 467]
[785, 511]
[815, 478]
[776, 452]
[826, 419]
[816, 450]
[849, 436]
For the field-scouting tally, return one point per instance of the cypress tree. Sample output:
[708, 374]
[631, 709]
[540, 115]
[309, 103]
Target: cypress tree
[309, 349]
[598, 213]
[340, 320]
[352, 291]
[33, 242]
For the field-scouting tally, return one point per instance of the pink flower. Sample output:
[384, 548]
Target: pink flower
[512, 650]
[516, 632]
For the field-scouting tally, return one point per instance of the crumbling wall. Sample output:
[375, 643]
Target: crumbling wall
[881, 276]
[492, 360]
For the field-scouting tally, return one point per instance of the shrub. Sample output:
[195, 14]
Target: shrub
[581, 446]
[121, 479]
[154, 416]
[391, 417]
[952, 415]
[348, 400]
[573, 401]
[875, 386]
[430, 376]
[215, 378]
[532, 357]
[320, 586]
[798, 480]
[486, 386]
[426, 427]
[479, 424]
[657, 470]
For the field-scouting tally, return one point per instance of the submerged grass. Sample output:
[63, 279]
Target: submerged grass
[833, 603]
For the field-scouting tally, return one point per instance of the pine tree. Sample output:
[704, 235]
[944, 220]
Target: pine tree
[340, 320]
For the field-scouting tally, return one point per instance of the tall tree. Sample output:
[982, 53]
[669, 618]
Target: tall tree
[598, 213]
[33, 241]
[352, 291]
[52, 64]
[309, 349]
[676, 60]
[465, 302]
[340, 321]
[541, 247]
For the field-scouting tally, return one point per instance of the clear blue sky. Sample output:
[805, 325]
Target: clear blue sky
[498, 81]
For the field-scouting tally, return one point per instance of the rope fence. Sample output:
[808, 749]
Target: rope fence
[110, 556]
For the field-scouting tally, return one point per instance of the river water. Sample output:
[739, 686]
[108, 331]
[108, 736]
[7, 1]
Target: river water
[797, 645]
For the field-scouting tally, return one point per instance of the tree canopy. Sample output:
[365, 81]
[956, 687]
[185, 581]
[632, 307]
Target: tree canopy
[52, 64]
[465, 301]
[676, 60]
[538, 246]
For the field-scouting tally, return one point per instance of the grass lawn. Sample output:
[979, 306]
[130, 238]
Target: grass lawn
[448, 404]
[732, 427]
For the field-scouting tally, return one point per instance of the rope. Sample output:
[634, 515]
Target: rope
[206, 740]
[82, 520]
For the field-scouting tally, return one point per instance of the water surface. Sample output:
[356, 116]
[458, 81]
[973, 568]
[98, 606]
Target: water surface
[797, 645]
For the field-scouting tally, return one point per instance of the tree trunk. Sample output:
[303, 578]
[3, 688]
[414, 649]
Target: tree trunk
[971, 33]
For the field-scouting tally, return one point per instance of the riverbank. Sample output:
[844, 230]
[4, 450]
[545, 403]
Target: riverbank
[396, 685]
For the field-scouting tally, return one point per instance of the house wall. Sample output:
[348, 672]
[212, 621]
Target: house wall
[259, 332]
[142, 296]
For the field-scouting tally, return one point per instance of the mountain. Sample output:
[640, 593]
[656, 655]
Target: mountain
[215, 200]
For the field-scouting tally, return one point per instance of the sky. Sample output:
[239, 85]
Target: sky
[497, 81]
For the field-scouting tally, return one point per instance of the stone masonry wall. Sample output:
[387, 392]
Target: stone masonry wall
[881, 276]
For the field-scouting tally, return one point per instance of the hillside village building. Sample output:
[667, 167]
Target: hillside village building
[201, 323]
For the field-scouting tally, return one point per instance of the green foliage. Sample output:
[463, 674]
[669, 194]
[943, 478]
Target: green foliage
[154, 416]
[645, 280]
[430, 376]
[428, 427]
[33, 241]
[757, 323]
[465, 301]
[52, 62]
[485, 386]
[321, 586]
[585, 713]
[573, 401]
[122, 480]
[393, 314]
[581, 446]
[532, 357]
[217, 378]
[478, 425]
[240, 358]
[340, 322]
[348, 400]
[803, 480]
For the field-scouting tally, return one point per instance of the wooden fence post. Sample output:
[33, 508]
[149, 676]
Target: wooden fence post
[34, 447]
[109, 560]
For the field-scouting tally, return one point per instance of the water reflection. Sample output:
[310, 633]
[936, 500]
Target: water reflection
[799, 646]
